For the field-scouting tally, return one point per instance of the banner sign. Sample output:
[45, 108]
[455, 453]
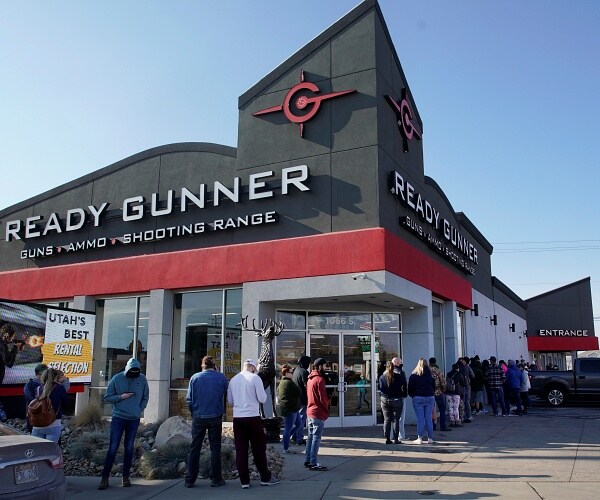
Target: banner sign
[36, 333]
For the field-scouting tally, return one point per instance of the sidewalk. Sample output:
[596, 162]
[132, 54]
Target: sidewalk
[541, 455]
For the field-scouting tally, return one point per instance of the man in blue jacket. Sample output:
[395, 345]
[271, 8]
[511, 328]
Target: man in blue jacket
[128, 393]
[206, 401]
[513, 386]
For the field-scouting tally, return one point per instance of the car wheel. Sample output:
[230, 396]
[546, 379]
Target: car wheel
[555, 396]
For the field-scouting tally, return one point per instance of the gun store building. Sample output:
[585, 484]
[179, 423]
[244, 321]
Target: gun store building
[322, 218]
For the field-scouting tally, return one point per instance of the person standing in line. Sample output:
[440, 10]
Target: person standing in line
[513, 387]
[440, 388]
[398, 369]
[288, 394]
[391, 388]
[421, 387]
[468, 375]
[477, 386]
[245, 393]
[50, 387]
[317, 412]
[128, 392]
[525, 386]
[300, 378]
[453, 394]
[496, 385]
[206, 402]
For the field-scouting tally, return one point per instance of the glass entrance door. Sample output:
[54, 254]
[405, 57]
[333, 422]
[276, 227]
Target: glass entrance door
[349, 380]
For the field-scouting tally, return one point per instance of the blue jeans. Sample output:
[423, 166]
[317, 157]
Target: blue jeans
[300, 428]
[49, 433]
[497, 396]
[313, 441]
[199, 428]
[423, 406]
[290, 423]
[118, 426]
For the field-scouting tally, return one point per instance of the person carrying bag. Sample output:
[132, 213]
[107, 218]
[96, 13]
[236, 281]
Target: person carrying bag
[46, 407]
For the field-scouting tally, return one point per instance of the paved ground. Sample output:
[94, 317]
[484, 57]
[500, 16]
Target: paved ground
[550, 454]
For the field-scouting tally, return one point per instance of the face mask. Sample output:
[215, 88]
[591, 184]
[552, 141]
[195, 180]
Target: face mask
[132, 374]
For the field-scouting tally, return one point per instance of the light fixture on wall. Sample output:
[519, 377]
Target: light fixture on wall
[359, 276]
[512, 327]
[475, 309]
[494, 320]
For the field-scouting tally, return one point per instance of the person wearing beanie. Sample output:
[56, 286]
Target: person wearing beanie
[317, 412]
[288, 394]
[300, 378]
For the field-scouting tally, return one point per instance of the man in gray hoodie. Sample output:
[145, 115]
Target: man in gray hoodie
[128, 393]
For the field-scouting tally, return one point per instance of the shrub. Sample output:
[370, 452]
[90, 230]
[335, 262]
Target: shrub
[89, 444]
[161, 463]
[90, 417]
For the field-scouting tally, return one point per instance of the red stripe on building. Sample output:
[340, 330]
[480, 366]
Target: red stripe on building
[561, 344]
[319, 255]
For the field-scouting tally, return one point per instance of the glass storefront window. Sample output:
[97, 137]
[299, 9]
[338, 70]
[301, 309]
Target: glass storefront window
[386, 322]
[288, 349]
[339, 321]
[123, 327]
[292, 320]
[198, 331]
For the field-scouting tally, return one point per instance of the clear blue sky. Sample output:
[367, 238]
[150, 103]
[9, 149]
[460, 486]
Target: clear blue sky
[509, 93]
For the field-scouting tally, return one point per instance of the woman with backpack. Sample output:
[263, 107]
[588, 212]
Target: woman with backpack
[57, 395]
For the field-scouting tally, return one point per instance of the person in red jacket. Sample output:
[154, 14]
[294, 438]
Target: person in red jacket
[317, 412]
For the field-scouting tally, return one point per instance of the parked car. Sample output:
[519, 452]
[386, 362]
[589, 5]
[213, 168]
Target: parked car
[30, 467]
[583, 382]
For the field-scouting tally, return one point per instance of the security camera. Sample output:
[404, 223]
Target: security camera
[359, 276]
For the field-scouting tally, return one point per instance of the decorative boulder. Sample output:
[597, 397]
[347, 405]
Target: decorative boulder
[173, 430]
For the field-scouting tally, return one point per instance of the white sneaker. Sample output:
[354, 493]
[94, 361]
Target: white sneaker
[429, 441]
[418, 441]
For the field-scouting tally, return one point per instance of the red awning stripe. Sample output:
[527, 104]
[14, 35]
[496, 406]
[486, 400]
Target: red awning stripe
[319, 255]
[562, 344]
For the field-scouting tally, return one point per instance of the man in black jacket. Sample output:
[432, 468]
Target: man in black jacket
[300, 378]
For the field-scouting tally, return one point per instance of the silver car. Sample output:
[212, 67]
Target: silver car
[30, 467]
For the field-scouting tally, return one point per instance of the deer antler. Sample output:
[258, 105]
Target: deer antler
[265, 324]
[278, 327]
[259, 331]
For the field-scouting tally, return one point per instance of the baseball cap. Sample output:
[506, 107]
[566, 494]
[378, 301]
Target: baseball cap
[250, 362]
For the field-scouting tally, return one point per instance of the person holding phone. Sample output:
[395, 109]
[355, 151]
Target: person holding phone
[128, 392]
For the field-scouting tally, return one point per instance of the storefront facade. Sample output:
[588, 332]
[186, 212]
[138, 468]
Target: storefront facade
[560, 323]
[321, 218]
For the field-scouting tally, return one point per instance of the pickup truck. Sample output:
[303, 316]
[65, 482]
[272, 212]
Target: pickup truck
[555, 387]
